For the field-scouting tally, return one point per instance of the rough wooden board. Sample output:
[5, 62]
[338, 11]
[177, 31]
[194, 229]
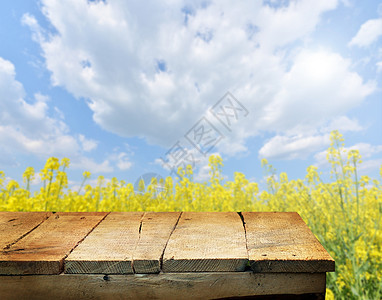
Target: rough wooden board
[282, 242]
[42, 251]
[155, 232]
[15, 225]
[159, 286]
[109, 248]
[206, 242]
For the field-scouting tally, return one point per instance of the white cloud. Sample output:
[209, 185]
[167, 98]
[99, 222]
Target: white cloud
[28, 128]
[198, 161]
[292, 147]
[122, 161]
[153, 69]
[87, 144]
[288, 24]
[202, 170]
[203, 173]
[76, 185]
[320, 159]
[379, 66]
[180, 156]
[88, 164]
[343, 124]
[367, 151]
[369, 165]
[369, 32]
[319, 87]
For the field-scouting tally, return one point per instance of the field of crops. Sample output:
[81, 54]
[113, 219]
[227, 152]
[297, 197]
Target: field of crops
[345, 214]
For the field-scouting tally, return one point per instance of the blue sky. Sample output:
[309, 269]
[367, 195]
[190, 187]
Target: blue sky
[121, 86]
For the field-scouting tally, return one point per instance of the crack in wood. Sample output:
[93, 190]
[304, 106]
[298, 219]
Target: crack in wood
[139, 237]
[245, 229]
[24, 235]
[165, 246]
[248, 266]
[79, 242]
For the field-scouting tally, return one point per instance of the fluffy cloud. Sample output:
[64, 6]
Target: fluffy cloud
[88, 164]
[153, 69]
[87, 144]
[370, 165]
[28, 128]
[122, 160]
[379, 66]
[369, 32]
[343, 124]
[367, 151]
[318, 87]
[300, 146]
[292, 147]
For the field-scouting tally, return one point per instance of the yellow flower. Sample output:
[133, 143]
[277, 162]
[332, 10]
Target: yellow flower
[344, 213]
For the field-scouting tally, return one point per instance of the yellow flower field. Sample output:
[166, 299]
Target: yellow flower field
[345, 214]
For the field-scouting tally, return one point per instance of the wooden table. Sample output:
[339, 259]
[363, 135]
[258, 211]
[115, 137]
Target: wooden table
[173, 255]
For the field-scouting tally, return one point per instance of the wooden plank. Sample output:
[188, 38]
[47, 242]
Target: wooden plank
[15, 225]
[282, 242]
[156, 228]
[206, 242]
[109, 248]
[160, 286]
[42, 251]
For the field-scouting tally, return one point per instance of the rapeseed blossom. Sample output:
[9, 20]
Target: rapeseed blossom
[345, 214]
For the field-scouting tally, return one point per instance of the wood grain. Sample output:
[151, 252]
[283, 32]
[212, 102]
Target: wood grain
[15, 225]
[42, 251]
[282, 242]
[109, 248]
[160, 286]
[206, 242]
[156, 228]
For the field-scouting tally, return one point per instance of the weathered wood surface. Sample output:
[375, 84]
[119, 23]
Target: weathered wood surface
[160, 286]
[124, 244]
[206, 242]
[137, 242]
[109, 248]
[15, 225]
[43, 250]
[282, 242]
[155, 232]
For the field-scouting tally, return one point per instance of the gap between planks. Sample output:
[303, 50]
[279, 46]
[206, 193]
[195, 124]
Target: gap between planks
[324, 263]
[42, 250]
[80, 241]
[138, 246]
[9, 245]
